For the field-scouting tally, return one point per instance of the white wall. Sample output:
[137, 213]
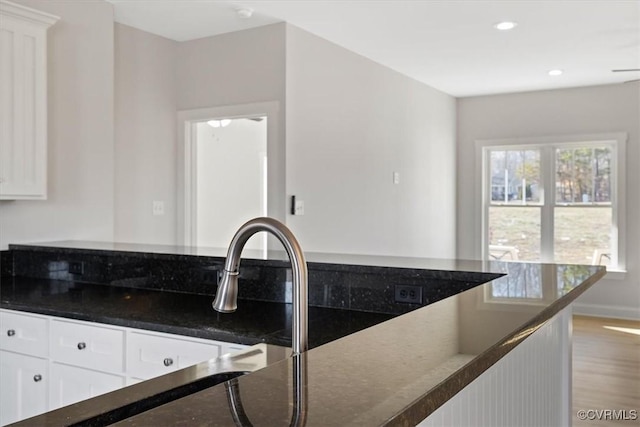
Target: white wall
[350, 124]
[598, 109]
[81, 119]
[230, 180]
[145, 136]
[234, 68]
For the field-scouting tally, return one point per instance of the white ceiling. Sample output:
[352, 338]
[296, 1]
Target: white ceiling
[450, 45]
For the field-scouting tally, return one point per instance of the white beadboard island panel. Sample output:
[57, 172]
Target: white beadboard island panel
[531, 386]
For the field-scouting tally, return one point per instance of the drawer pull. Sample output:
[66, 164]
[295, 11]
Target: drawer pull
[11, 332]
[37, 378]
[82, 346]
[168, 361]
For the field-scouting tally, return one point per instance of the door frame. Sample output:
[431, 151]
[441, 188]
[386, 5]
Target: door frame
[187, 157]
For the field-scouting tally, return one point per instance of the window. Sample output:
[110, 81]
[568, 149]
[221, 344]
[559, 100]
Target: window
[554, 200]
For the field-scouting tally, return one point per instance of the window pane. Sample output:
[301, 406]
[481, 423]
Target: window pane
[602, 172]
[514, 233]
[521, 281]
[515, 176]
[582, 235]
[583, 175]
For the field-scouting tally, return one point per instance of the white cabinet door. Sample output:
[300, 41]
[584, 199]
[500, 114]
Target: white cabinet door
[70, 384]
[151, 355]
[23, 102]
[23, 392]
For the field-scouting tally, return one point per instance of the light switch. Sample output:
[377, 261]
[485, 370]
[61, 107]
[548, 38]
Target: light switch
[158, 207]
[396, 177]
[298, 207]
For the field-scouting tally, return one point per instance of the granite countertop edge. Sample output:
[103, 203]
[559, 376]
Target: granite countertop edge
[318, 261]
[426, 404]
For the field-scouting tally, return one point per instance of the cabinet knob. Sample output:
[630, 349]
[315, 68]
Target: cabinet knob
[82, 346]
[11, 332]
[37, 378]
[168, 361]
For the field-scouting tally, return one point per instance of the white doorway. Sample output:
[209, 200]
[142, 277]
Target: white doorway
[230, 179]
[271, 201]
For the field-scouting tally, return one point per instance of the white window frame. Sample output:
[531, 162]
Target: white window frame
[547, 145]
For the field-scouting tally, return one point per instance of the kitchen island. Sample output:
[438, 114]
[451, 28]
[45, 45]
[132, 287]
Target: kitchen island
[404, 367]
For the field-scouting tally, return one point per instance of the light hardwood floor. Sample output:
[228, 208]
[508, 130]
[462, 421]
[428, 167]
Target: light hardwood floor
[606, 368]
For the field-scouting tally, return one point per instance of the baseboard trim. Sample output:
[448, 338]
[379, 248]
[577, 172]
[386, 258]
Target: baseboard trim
[611, 311]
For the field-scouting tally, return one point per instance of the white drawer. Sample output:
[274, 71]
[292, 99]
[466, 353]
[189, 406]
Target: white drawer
[94, 347]
[23, 333]
[152, 355]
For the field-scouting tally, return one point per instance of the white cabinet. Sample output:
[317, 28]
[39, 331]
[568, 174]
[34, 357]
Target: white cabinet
[23, 392]
[23, 366]
[71, 384]
[49, 362]
[75, 346]
[151, 355]
[87, 345]
[23, 101]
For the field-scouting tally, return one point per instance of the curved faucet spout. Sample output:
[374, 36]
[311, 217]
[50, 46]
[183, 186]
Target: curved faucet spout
[226, 296]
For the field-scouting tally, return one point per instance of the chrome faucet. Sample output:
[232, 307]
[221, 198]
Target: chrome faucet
[227, 294]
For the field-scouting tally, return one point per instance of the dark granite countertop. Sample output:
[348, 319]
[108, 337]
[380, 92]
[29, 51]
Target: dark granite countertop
[394, 373]
[400, 371]
[359, 283]
[177, 313]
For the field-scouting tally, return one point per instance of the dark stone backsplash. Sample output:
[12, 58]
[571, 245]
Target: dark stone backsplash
[352, 287]
[6, 263]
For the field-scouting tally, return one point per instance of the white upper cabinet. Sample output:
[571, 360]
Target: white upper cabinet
[23, 101]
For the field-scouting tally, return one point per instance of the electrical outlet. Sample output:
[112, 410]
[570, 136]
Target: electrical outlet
[158, 207]
[76, 267]
[209, 275]
[408, 293]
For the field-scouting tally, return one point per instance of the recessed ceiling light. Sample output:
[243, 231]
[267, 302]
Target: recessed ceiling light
[505, 25]
[555, 72]
[244, 12]
[219, 123]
